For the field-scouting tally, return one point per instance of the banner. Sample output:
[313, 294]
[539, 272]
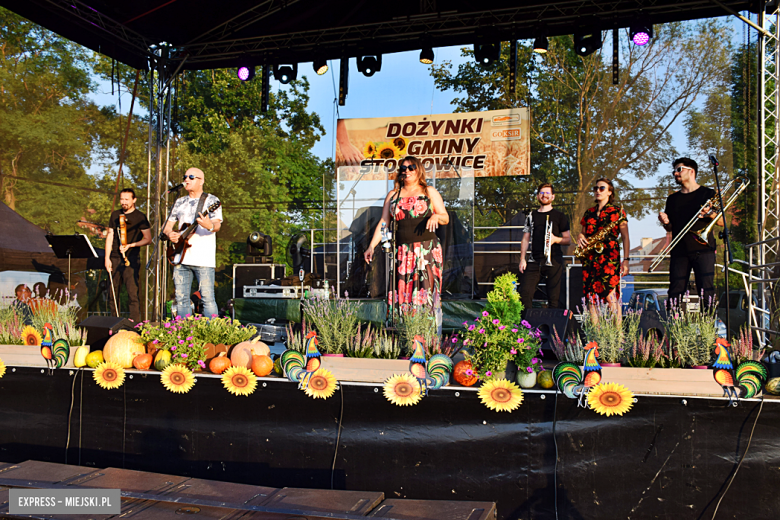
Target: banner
[480, 144]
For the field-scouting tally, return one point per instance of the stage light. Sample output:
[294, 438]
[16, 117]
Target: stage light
[426, 55]
[487, 53]
[586, 43]
[641, 34]
[286, 73]
[540, 45]
[320, 67]
[368, 65]
[245, 73]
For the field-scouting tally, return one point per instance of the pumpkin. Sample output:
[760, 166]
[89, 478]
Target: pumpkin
[142, 361]
[773, 386]
[220, 363]
[262, 365]
[162, 360]
[545, 379]
[123, 347]
[94, 359]
[460, 375]
[241, 355]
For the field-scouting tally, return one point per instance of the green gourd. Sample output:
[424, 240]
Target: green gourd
[773, 386]
[162, 360]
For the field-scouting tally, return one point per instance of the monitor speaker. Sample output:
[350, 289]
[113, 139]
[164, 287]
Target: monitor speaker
[548, 321]
[101, 328]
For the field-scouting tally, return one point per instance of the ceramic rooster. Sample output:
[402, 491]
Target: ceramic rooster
[439, 368]
[417, 365]
[55, 352]
[299, 367]
[743, 382]
[576, 382]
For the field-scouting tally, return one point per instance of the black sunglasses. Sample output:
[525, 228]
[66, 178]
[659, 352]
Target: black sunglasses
[597, 189]
[404, 167]
[190, 177]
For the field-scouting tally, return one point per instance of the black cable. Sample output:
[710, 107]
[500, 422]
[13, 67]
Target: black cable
[70, 412]
[338, 437]
[555, 471]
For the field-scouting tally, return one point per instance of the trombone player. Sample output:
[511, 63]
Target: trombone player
[691, 202]
[546, 230]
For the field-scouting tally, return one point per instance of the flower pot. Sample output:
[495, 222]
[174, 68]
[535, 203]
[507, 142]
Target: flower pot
[526, 379]
[612, 365]
[509, 373]
[333, 355]
[701, 367]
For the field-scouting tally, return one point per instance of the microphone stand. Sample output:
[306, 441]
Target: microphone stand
[393, 252]
[728, 257]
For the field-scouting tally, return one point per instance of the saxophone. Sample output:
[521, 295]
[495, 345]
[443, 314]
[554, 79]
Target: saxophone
[596, 240]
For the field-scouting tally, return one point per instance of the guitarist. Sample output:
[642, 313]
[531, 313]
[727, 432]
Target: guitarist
[199, 259]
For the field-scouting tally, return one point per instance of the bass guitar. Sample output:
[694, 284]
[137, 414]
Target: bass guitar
[175, 252]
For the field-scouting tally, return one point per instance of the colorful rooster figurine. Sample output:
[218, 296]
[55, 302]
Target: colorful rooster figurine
[299, 368]
[417, 365]
[574, 382]
[744, 382]
[55, 352]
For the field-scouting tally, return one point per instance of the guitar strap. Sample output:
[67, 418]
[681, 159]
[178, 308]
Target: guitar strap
[201, 203]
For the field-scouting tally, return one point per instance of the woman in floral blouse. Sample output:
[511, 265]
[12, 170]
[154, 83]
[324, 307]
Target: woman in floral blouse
[418, 210]
[601, 272]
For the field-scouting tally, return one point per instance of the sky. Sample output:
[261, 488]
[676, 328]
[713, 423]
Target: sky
[404, 87]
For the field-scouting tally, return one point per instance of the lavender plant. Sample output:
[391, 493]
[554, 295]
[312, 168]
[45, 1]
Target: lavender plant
[742, 347]
[570, 350]
[336, 322]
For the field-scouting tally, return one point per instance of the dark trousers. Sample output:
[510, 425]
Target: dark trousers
[703, 265]
[534, 271]
[129, 276]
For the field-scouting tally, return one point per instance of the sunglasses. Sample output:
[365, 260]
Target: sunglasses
[190, 177]
[597, 189]
[679, 169]
[404, 167]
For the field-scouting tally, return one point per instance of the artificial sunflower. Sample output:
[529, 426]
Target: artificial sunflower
[387, 151]
[177, 378]
[31, 337]
[402, 390]
[2, 368]
[610, 399]
[109, 375]
[239, 380]
[369, 151]
[400, 144]
[500, 395]
[322, 383]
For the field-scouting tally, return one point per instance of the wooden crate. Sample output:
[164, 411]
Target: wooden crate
[364, 370]
[664, 381]
[24, 356]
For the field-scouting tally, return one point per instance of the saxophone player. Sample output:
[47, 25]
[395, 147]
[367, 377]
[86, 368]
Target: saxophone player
[546, 230]
[601, 271]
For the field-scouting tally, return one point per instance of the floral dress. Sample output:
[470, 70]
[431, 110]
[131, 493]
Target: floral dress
[601, 271]
[419, 257]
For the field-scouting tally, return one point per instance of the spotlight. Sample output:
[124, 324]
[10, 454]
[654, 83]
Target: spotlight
[487, 53]
[368, 65]
[540, 45]
[286, 73]
[245, 73]
[320, 67]
[426, 55]
[586, 43]
[641, 34]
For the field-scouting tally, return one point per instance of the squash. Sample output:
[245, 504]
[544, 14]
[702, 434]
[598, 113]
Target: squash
[460, 375]
[122, 348]
[773, 386]
[220, 363]
[241, 355]
[94, 359]
[262, 365]
[142, 361]
[162, 360]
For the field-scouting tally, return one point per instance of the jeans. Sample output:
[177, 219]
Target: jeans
[182, 282]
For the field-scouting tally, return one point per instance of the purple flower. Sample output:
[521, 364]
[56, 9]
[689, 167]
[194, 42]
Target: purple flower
[189, 338]
[514, 330]
[502, 327]
[455, 339]
[469, 372]
[488, 373]
[525, 324]
[155, 342]
[191, 345]
[513, 351]
[530, 369]
[214, 316]
[202, 364]
[184, 355]
[173, 348]
[481, 331]
[466, 341]
[541, 354]
[520, 340]
[484, 344]
[181, 342]
[496, 322]
[541, 369]
[465, 323]
[534, 360]
[471, 327]
[485, 313]
[167, 325]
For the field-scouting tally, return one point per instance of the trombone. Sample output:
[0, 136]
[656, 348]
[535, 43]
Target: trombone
[741, 184]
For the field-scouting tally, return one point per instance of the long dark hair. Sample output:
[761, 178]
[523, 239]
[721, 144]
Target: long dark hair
[611, 188]
[419, 169]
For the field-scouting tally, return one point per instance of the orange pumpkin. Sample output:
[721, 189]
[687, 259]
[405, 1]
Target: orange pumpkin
[142, 361]
[220, 363]
[241, 355]
[460, 375]
[262, 365]
[123, 347]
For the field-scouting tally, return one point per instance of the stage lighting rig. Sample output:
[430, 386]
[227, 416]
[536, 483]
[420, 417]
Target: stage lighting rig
[368, 65]
[245, 72]
[426, 55]
[320, 66]
[586, 42]
[641, 34]
[541, 44]
[487, 53]
[259, 248]
[286, 73]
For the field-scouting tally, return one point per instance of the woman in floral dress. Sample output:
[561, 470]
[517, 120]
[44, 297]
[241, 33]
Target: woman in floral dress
[601, 272]
[418, 210]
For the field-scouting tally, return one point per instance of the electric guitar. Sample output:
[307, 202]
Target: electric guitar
[176, 252]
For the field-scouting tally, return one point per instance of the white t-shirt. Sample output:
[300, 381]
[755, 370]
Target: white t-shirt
[203, 243]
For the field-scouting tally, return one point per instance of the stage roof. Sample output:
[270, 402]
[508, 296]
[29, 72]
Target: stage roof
[219, 34]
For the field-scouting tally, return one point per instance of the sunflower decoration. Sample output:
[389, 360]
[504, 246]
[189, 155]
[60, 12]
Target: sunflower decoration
[610, 399]
[239, 380]
[31, 337]
[322, 384]
[369, 151]
[177, 378]
[400, 144]
[403, 390]
[501, 395]
[2, 368]
[387, 151]
[109, 375]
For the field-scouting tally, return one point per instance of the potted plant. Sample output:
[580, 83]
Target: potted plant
[613, 332]
[692, 334]
[335, 321]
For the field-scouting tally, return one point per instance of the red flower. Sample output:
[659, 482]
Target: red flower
[609, 269]
[614, 281]
[399, 214]
[420, 207]
[584, 275]
[437, 254]
[614, 217]
[407, 203]
[614, 254]
[598, 286]
[421, 298]
[402, 252]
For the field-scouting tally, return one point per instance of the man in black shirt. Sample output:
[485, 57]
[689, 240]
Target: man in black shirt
[139, 234]
[535, 229]
[691, 252]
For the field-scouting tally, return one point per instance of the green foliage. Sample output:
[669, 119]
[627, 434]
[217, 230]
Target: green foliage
[11, 326]
[692, 334]
[614, 333]
[386, 346]
[504, 300]
[417, 321]
[362, 344]
[336, 322]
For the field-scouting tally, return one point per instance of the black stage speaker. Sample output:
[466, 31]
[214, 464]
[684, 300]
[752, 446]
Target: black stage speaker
[255, 274]
[100, 329]
[651, 320]
[574, 286]
[561, 320]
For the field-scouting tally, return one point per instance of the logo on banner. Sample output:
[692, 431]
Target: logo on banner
[505, 120]
[507, 134]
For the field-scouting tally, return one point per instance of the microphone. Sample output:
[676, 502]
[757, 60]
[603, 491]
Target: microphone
[714, 161]
[175, 188]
